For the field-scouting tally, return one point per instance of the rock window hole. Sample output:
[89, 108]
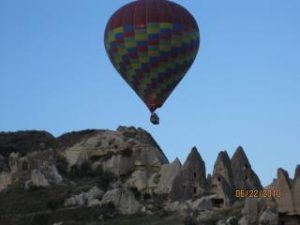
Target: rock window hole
[195, 190]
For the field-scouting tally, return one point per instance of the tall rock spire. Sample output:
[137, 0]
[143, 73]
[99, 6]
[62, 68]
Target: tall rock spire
[284, 184]
[222, 180]
[191, 180]
[244, 176]
[297, 172]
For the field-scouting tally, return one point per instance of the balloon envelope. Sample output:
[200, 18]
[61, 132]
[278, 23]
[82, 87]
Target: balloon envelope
[152, 44]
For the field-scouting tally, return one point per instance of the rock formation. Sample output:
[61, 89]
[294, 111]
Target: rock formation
[2, 163]
[288, 203]
[222, 181]
[105, 172]
[163, 181]
[130, 153]
[283, 183]
[296, 194]
[89, 198]
[250, 212]
[244, 177]
[5, 180]
[34, 169]
[268, 217]
[223, 168]
[123, 200]
[297, 172]
[191, 180]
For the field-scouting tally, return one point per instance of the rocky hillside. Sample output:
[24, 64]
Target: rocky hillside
[123, 177]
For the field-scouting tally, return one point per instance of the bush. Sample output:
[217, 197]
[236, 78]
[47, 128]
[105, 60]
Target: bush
[54, 203]
[189, 220]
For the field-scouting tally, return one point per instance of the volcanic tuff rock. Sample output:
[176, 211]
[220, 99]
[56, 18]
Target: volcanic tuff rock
[269, 217]
[125, 171]
[297, 172]
[222, 180]
[85, 198]
[34, 169]
[2, 163]
[283, 183]
[123, 199]
[119, 152]
[223, 168]
[296, 195]
[289, 202]
[244, 177]
[230, 221]
[128, 153]
[252, 210]
[163, 181]
[5, 180]
[203, 204]
[191, 180]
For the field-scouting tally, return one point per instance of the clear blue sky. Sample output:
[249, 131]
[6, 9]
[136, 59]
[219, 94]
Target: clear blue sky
[243, 89]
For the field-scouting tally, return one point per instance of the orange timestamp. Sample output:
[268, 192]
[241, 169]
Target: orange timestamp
[266, 193]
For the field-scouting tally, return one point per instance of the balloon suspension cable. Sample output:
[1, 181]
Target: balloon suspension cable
[154, 118]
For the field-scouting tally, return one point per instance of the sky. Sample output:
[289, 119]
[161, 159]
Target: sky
[243, 88]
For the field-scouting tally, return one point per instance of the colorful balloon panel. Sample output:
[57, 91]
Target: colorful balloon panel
[152, 44]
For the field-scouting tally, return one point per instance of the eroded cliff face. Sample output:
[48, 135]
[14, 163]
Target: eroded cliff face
[125, 171]
[127, 153]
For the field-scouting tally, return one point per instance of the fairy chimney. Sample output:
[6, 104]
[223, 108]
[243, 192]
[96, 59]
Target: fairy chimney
[222, 184]
[297, 172]
[296, 190]
[191, 180]
[283, 183]
[244, 176]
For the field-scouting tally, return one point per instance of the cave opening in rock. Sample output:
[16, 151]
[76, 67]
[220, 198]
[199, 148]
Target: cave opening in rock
[218, 202]
[24, 166]
[195, 190]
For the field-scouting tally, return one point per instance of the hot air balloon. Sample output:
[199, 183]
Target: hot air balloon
[152, 44]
